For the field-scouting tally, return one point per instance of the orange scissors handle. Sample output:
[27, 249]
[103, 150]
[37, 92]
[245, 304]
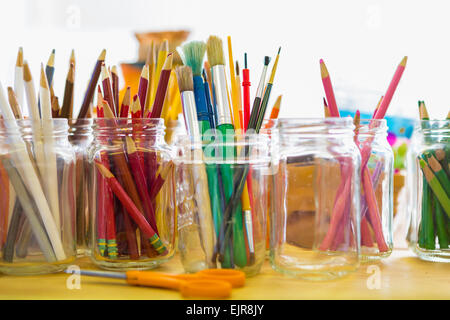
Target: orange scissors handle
[210, 288]
[234, 277]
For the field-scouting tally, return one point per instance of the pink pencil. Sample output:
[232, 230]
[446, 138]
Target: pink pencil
[391, 90]
[334, 111]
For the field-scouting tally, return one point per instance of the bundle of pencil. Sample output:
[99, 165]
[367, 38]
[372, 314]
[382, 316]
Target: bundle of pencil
[130, 178]
[39, 181]
[371, 225]
[434, 228]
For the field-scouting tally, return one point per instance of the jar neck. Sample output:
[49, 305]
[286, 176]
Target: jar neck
[80, 127]
[327, 128]
[143, 129]
[372, 129]
[434, 129]
[30, 130]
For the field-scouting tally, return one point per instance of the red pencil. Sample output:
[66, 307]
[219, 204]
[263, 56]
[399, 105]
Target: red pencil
[143, 87]
[135, 214]
[115, 88]
[162, 87]
[334, 111]
[129, 229]
[159, 181]
[141, 184]
[107, 89]
[391, 90]
[136, 108]
[125, 176]
[125, 107]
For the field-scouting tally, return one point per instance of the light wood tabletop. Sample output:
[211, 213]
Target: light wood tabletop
[401, 276]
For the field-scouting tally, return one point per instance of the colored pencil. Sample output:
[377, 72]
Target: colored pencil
[334, 111]
[162, 87]
[107, 89]
[91, 86]
[391, 90]
[125, 106]
[115, 88]
[131, 208]
[67, 106]
[51, 178]
[18, 78]
[143, 87]
[276, 108]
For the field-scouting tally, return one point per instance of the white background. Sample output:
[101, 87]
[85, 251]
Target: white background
[362, 43]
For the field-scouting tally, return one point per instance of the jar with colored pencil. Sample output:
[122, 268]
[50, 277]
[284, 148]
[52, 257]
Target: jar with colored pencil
[80, 137]
[37, 179]
[316, 220]
[429, 190]
[377, 171]
[131, 194]
[222, 200]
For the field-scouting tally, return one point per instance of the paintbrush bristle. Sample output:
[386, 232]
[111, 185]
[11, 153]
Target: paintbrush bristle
[192, 54]
[214, 49]
[266, 60]
[184, 78]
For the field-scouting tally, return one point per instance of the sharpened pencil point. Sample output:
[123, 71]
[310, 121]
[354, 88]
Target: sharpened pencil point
[43, 80]
[403, 63]
[51, 59]
[19, 61]
[102, 55]
[26, 72]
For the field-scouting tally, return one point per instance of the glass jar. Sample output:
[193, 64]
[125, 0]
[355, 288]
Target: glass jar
[377, 202]
[315, 224]
[131, 194]
[38, 234]
[221, 220]
[429, 191]
[80, 136]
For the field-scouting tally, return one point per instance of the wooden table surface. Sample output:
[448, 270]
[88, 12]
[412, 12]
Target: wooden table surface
[402, 276]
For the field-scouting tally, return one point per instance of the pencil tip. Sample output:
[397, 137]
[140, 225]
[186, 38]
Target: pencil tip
[43, 80]
[51, 59]
[403, 63]
[102, 55]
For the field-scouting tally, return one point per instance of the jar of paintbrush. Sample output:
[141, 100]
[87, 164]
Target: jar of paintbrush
[377, 171]
[222, 200]
[429, 190]
[316, 220]
[80, 137]
[131, 194]
[37, 220]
